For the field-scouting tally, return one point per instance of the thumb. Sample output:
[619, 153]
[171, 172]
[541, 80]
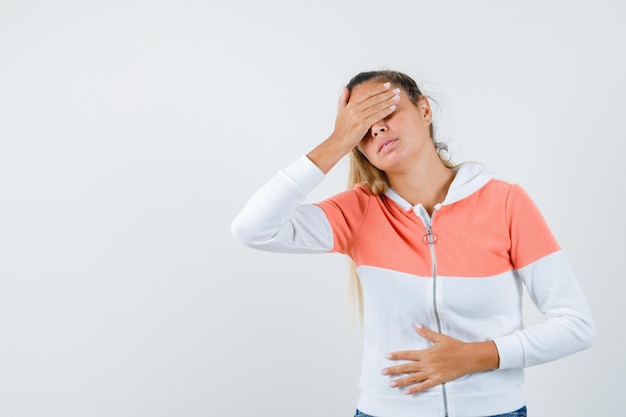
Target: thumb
[426, 333]
[343, 98]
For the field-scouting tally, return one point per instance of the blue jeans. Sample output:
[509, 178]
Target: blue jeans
[519, 413]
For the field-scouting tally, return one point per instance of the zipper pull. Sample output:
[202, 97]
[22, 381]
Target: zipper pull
[430, 238]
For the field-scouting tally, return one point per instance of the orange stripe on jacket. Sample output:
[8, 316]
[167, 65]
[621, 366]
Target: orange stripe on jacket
[494, 230]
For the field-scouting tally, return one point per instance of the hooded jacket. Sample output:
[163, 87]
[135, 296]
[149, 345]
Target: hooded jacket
[459, 272]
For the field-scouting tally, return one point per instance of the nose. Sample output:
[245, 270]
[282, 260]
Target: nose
[378, 127]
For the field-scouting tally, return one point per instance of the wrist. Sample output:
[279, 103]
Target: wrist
[484, 356]
[328, 153]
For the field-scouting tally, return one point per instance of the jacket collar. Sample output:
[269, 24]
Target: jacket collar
[470, 177]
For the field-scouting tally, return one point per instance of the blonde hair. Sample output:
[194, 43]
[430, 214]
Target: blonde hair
[363, 172]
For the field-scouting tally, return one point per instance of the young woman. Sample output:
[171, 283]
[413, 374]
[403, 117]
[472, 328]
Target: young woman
[441, 254]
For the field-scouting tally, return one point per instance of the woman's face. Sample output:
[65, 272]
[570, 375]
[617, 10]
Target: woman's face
[397, 139]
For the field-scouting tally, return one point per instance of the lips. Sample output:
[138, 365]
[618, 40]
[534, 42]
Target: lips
[386, 145]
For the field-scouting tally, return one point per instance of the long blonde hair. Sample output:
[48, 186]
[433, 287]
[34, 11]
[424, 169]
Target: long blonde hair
[363, 172]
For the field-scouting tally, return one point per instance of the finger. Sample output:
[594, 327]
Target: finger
[426, 333]
[407, 368]
[343, 98]
[378, 107]
[412, 379]
[363, 122]
[411, 355]
[376, 91]
[379, 111]
[378, 102]
[423, 386]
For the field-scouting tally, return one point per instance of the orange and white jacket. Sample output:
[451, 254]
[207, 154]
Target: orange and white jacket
[459, 272]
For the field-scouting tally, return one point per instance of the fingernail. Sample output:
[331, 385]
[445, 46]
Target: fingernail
[393, 383]
[387, 85]
[384, 372]
[418, 326]
[389, 356]
[395, 98]
[392, 107]
[396, 90]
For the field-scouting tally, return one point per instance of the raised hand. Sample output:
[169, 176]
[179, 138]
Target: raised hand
[356, 113]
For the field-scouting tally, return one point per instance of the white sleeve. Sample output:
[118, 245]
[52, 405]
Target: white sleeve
[568, 326]
[275, 218]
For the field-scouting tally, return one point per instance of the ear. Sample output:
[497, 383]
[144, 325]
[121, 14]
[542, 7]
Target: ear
[424, 107]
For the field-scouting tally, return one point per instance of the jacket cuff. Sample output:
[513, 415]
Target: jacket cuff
[511, 351]
[305, 174]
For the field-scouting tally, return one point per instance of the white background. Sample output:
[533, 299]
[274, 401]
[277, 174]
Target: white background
[132, 132]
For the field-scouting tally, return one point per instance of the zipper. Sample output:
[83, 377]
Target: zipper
[431, 239]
